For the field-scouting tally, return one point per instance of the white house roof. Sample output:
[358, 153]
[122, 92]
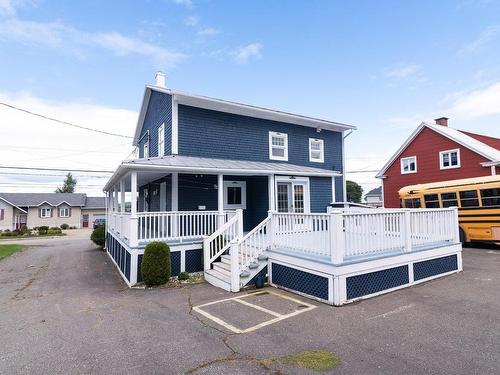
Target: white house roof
[191, 164]
[235, 108]
[481, 148]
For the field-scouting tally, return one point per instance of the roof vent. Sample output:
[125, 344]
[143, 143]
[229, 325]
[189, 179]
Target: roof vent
[160, 79]
[443, 121]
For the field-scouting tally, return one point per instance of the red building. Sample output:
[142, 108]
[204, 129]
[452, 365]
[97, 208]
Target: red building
[436, 152]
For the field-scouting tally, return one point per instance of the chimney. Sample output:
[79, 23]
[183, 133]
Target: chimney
[443, 121]
[160, 79]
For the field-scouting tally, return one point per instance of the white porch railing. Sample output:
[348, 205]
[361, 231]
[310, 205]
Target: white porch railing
[254, 242]
[119, 223]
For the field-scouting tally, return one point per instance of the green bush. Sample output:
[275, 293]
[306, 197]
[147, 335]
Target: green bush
[155, 267]
[24, 229]
[42, 230]
[64, 226]
[54, 231]
[183, 276]
[98, 236]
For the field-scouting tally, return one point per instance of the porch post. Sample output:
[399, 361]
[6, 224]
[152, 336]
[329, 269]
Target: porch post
[235, 267]
[220, 200]
[134, 220]
[122, 196]
[272, 195]
[175, 204]
[115, 198]
[336, 229]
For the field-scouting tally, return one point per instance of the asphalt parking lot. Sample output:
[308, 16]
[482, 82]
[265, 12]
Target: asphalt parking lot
[64, 309]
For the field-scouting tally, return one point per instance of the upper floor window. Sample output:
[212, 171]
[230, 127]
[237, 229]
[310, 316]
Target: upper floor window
[45, 212]
[161, 140]
[278, 146]
[145, 150]
[64, 212]
[409, 165]
[449, 159]
[316, 150]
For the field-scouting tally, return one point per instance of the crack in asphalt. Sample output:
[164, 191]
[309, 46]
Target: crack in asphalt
[31, 280]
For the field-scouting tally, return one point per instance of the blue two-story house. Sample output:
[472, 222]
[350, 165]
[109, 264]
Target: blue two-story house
[239, 191]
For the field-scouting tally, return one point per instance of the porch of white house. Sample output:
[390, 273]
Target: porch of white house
[335, 257]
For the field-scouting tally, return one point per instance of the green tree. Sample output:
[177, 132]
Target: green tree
[354, 192]
[68, 184]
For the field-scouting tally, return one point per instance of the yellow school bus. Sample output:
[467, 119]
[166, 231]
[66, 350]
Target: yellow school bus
[477, 199]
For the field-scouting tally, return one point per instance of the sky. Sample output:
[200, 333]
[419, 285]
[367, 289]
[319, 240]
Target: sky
[382, 66]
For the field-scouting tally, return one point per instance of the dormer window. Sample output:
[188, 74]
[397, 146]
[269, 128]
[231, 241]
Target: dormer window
[409, 165]
[278, 146]
[316, 150]
[145, 150]
[449, 159]
[161, 140]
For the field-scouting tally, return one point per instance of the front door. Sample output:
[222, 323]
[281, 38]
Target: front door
[85, 221]
[291, 196]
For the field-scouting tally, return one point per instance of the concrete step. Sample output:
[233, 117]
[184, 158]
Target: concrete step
[253, 265]
[244, 273]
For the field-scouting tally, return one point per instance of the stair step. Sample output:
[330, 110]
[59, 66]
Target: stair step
[225, 259]
[262, 257]
[223, 268]
[219, 275]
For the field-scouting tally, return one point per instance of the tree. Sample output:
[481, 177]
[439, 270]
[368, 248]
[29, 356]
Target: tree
[354, 192]
[68, 184]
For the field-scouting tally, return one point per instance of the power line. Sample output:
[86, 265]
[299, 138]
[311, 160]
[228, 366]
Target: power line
[63, 122]
[56, 169]
[50, 175]
[364, 171]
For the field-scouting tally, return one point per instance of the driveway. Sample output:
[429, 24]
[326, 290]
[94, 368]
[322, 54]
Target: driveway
[64, 309]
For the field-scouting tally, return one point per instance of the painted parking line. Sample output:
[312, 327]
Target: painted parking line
[240, 299]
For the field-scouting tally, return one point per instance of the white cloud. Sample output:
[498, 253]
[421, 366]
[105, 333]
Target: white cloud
[477, 103]
[52, 145]
[8, 7]
[57, 34]
[187, 3]
[403, 71]
[486, 36]
[191, 21]
[209, 31]
[246, 53]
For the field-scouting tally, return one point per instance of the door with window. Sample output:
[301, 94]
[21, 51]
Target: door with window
[85, 221]
[291, 196]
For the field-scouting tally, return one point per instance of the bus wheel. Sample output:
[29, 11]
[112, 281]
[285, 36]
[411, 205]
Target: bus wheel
[463, 238]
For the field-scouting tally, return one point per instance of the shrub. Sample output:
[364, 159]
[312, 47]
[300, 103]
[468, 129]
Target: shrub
[23, 229]
[42, 230]
[73, 227]
[155, 267]
[54, 231]
[98, 236]
[183, 276]
[54, 228]
[15, 232]
[64, 226]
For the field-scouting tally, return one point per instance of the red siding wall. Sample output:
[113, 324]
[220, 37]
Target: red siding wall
[426, 147]
[490, 141]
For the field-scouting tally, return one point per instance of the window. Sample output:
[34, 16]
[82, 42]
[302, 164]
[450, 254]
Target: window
[2, 214]
[316, 150]
[278, 146]
[64, 212]
[449, 159]
[146, 200]
[409, 165]
[431, 200]
[490, 197]
[145, 150]
[45, 212]
[449, 200]
[161, 140]
[412, 203]
[235, 194]
[469, 198]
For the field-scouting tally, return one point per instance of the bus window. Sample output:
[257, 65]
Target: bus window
[412, 203]
[431, 200]
[449, 200]
[469, 198]
[490, 197]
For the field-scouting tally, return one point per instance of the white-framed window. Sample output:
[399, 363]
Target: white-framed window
[45, 212]
[316, 150]
[161, 140]
[278, 146]
[2, 214]
[235, 195]
[449, 159]
[409, 165]
[64, 212]
[145, 150]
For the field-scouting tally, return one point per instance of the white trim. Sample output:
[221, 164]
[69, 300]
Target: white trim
[295, 180]
[334, 199]
[175, 126]
[161, 140]
[64, 208]
[145, 147]
[43, 212]
[270, 187]
[175, 192]
[493, 170]
[284, 147]
[441, 162]
[243, 186]
[322, 150]
[402, 160]
[13, 205]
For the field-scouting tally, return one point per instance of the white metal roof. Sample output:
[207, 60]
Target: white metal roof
[191, 164]
[455, 135]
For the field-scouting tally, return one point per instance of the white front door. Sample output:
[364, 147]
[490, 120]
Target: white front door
[291, 196]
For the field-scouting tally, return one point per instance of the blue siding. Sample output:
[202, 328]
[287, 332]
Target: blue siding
[213, 134]
[159, 111]
[339, 189]
[321, 193]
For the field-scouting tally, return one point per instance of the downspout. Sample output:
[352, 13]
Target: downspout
[344, 136]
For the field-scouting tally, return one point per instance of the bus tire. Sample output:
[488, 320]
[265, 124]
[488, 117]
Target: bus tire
[463, 238]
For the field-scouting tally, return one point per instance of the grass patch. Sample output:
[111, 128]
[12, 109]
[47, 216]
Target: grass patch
[6, 250]
[316, 360]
